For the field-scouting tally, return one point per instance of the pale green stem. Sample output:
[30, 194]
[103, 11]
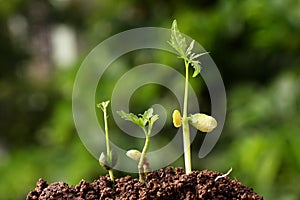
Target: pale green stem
[142, 173]
[108, 152]
[111, 175]
[185, 124]
[106, 133]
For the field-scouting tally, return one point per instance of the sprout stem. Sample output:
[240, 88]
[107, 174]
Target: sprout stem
[108, 151]
[185, 124]
[145, 122]
[142, 171]
[111, 175]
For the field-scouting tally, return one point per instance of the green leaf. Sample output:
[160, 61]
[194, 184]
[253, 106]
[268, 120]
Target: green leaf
[124, 115]
[130, 117]
[153, 119]
[190, 48]
[140, 121]
[177, 41]
[196, 63]
[197, 67]
[134, 119]
[148, 114]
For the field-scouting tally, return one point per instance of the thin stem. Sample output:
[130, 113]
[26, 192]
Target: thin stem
[186, 92]
[111, 175]
[106, 134]
[185, 124]
[108, 151]
[142, 172]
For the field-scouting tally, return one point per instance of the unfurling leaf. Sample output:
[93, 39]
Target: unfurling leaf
[203, 122]
[197, 67]
[196, 63]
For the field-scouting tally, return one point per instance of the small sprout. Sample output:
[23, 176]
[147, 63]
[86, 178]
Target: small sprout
[177, 119]
[203, 122]
[184, 51]
[145, 122]
[108, 160]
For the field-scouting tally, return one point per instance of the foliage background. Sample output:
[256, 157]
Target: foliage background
[255, 44]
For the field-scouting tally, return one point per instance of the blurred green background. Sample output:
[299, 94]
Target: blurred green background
[255, 44]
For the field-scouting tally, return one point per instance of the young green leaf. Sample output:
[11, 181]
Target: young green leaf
[196, 63]
[178, 42]
[131, 117]
[197, 67]
[147, 114]
[140, 120]
[190, 48]
[153, 119]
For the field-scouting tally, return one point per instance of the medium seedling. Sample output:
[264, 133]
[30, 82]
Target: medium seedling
[108, 160]
[145, 122]
[202, 122]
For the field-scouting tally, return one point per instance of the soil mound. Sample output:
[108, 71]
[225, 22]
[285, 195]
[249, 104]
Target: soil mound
[167, 184]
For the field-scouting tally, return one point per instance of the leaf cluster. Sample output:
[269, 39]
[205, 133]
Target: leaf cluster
[178, 42]
[142, 120]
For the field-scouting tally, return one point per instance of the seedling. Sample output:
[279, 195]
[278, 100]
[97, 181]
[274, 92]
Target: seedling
[108, 160]
[202, 122]
[145, 122]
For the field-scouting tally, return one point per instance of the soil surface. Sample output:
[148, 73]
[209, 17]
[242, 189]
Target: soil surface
[167, 183]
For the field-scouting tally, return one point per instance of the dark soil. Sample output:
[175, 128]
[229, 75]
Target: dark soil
[162, 184]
